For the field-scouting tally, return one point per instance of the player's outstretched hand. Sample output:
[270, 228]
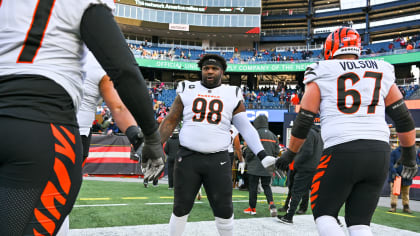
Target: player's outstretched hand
[286, 158]
[152, 163]
[152, 169]
[268, 161]
[409, 172]
[408, 161]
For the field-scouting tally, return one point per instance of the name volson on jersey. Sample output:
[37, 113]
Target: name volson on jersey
[351, 65]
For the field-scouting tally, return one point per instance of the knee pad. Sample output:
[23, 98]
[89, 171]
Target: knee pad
[328, 226]
[360, 230]
[224, 226]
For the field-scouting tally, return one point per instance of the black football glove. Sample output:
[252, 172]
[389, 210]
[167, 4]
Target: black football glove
[152, 156]
[152, 169]
[285, 159]
[408, 160]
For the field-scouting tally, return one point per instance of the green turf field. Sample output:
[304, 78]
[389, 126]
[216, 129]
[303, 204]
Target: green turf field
[105, 204]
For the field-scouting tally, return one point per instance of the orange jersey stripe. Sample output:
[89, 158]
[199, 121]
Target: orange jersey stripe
[48, 196]
[47, 223]
[69, 134]
[323, 157]
[317, 176]
[324, 164]
[62, 175]
[315, 187]
[66, 149]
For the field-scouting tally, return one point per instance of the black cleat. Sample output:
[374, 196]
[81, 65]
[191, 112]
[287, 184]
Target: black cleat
[285, 219]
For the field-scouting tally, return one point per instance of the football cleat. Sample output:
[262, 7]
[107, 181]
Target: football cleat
[250, 211]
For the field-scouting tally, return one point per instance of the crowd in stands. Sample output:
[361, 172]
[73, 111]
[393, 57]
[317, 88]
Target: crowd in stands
[408, 91]
[250, 56]
[282, 97]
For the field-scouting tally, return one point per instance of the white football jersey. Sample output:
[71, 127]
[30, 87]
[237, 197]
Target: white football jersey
[352, 98]
[207, 116]
[91, 94]
[233, 133]
[43, 38]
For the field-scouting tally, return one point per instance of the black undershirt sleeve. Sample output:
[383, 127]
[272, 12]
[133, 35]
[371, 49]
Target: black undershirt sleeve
[103, 37]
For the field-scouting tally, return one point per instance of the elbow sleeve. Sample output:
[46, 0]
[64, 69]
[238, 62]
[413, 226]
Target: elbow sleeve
[401, 116]
[303, 123]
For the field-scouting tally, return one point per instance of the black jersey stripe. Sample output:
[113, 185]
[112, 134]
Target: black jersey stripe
[36, 31]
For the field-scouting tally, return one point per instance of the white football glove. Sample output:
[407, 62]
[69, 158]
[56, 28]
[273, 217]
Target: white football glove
[241, 167]
[268, 161]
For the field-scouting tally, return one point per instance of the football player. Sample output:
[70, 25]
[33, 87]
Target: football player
[352, 97]
[41, 88]
[97, 86]
[207, 109]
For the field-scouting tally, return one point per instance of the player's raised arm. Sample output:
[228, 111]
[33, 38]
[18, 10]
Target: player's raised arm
[404, 124]
[119, 63]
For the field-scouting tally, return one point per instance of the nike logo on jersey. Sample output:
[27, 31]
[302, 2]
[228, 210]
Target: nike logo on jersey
[222, 163]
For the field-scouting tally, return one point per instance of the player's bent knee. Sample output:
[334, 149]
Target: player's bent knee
[223, 212]
[180, 211]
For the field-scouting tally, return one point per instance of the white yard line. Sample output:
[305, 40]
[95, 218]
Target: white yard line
[303, 226]
[101, 205]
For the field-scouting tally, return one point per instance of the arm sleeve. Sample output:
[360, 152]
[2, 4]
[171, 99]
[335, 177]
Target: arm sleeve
[103, 37]
[248, 132]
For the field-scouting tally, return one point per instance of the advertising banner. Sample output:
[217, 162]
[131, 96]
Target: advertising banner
[265, 68]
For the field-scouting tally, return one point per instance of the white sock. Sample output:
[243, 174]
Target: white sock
[224, 226]
[360, 230]
[177, 225]
[328, 226]
[65, 228]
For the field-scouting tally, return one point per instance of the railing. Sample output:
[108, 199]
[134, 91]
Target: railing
[299, 48]
[284, 32]
[289, 12]
[220, 49]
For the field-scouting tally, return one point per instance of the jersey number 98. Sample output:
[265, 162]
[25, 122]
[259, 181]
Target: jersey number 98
[212, 113]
